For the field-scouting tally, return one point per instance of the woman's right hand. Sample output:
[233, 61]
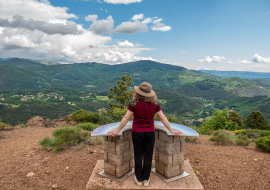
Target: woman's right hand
[177, 133]
[113, 133]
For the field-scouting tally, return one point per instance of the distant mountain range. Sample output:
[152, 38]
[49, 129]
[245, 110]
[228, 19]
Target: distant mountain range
[239, 74]
[22, 74]
[181, 91]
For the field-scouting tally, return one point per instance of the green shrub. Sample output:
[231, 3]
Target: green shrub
[237, 132]
[219, 120]
[87, 126]
[263, 143]
[223, 137]
[46, 142]
[23, 125]
[242, 140]
[96, 140]
[64, 137]
[258, 133]
[209, 132]
[191, 139]
[2, 125]
[85, 116]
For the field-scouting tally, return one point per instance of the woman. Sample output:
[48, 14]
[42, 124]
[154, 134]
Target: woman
[144, 107]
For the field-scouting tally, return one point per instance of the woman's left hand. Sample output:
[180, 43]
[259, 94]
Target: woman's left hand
[113, 133]
[177, 133]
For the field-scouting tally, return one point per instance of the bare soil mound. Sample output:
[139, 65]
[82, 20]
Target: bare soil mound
[218, 167]
[38, 122]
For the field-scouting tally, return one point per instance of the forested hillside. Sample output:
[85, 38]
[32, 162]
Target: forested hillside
[17, 106]
[30, 87]
[245, 105]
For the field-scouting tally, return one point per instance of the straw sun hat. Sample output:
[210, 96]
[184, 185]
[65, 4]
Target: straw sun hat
[145, 89]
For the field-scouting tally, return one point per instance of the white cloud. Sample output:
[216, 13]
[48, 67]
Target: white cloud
[244, 61]
[91, 18]
[49, 28]
[125, 44]
[161, 27]
[103, 26]
[137, 17]
[131, 27]
[122, 1]
[184, 52]
[214, 59]
[33, 9]
[157, 20]
[116, 57]
[29, 37]
[259, 59]
[147, 20]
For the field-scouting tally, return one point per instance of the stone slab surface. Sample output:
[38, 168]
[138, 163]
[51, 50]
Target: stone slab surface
[190, 182]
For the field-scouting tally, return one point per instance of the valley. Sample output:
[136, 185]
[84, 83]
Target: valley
[52, 90]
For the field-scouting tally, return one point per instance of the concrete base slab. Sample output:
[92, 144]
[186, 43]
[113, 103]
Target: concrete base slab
[117, 179]
[97, 181]
[185, 174]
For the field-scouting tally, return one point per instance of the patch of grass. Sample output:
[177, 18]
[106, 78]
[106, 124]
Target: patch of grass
[263, 143]
[192, 139]
[103, 98]
[87, 126]
[79, 147]
[209, 132]
[46, 142]
[258, 133]
[65, 137]
[23, 125]
[1, 135]
[96, 140]
[242, 140]
[3, 125]
[223, 137]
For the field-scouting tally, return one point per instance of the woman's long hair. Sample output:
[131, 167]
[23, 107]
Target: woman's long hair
[138, 97]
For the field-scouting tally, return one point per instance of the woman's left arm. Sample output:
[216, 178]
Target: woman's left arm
[122, 124]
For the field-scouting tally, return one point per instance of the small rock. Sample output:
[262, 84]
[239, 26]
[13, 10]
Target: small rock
[101, 152]
[91, 152]
[218, 177]
[198, 172]
[49, 149]
[255, 160]
[95, 150]
[27, 155]
[30, 174]
[54, 186]
[66, 168]
[197, 161]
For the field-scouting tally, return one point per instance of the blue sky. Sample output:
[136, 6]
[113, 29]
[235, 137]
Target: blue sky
[196, 34]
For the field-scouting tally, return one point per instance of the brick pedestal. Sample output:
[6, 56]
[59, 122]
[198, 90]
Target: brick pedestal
[118, 154]
[169, 155]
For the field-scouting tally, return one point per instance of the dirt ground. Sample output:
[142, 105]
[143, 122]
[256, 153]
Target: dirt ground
[218, 167]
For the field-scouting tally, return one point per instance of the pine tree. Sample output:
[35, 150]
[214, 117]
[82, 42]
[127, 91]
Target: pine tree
[121, 98]
[236, 119]
[256, 120]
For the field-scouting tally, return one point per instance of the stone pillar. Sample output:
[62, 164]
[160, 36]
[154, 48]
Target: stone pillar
[118, 154]
[169, 154]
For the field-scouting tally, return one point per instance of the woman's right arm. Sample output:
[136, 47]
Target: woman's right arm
[165, 121]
